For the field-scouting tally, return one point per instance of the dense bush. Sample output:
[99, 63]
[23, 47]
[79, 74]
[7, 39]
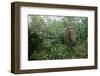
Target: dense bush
[46, 37]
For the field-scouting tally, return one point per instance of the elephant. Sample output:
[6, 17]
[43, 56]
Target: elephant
[70, 35]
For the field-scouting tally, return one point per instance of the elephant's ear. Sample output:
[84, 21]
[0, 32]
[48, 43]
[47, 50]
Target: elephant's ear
[73, 35]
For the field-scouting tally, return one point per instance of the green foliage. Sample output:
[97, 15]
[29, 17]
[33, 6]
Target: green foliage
[46, 37]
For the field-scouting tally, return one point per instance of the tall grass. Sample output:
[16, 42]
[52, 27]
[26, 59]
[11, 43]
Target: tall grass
[46, 38]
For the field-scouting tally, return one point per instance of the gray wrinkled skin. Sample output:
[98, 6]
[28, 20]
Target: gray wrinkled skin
[69, 34]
